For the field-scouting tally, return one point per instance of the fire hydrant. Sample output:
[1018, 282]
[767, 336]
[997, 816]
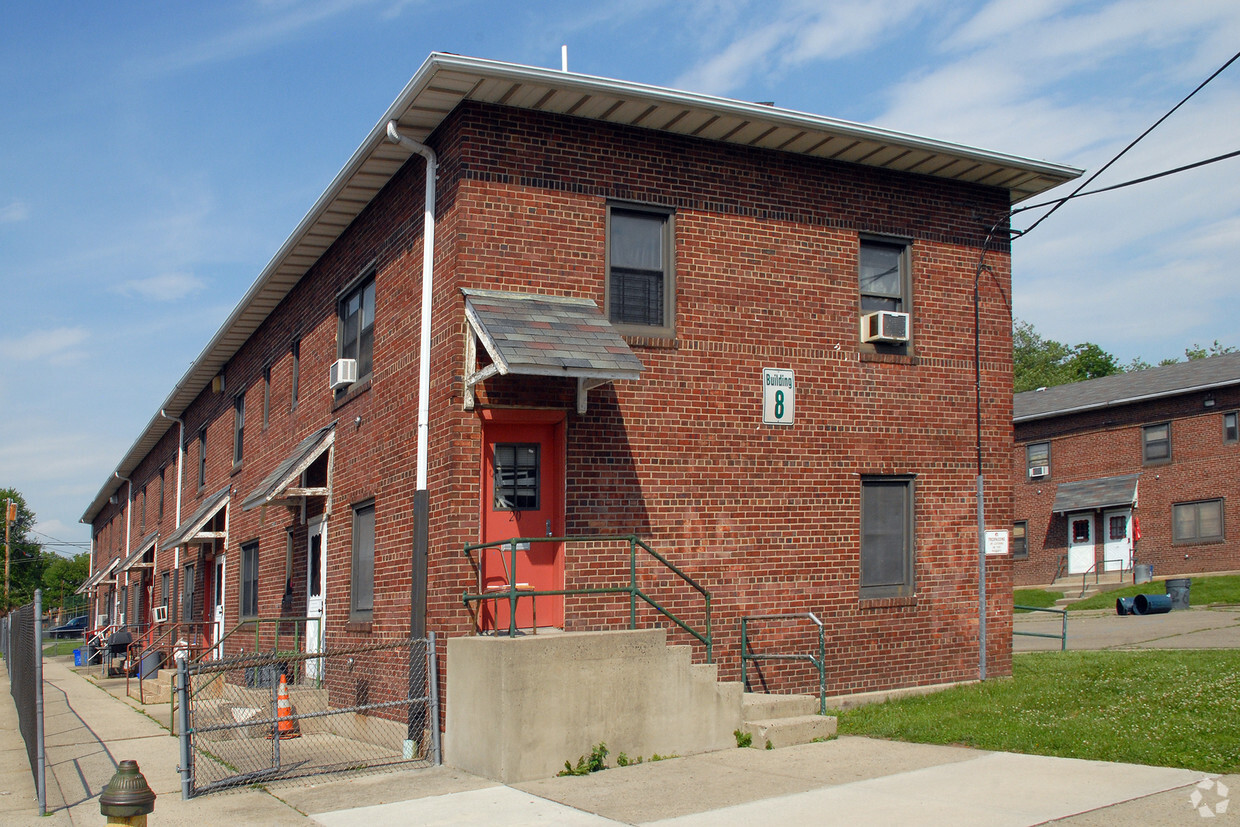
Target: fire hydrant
[127, 798]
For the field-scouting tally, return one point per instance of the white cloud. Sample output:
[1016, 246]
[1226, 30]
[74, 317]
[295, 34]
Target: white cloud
[14, 212]
[795, 33]
[58, 345]
[166, 287]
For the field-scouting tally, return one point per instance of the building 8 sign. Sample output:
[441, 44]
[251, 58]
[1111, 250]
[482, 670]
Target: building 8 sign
[778, 396]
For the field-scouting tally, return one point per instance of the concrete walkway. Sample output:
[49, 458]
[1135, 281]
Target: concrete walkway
[1196, 628]
[854, 781]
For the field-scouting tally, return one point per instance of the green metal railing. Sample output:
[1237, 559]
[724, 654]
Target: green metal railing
[1062, 637]
[819, 662]
[209, 649]
[511, 593]
[1124, 563]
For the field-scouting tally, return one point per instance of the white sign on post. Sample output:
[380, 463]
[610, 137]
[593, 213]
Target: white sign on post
[996, 543]
[778, 396]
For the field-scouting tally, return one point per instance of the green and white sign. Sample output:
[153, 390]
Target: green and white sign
[778, 396]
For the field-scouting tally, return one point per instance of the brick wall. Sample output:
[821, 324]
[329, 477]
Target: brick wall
[766, 518]
[1108, 443]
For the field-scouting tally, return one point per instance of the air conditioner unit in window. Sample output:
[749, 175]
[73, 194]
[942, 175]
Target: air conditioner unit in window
[884, 326]
[344, 373]
[161, 614]
[1038, 471]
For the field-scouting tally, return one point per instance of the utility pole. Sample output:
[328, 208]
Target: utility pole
[10, 514]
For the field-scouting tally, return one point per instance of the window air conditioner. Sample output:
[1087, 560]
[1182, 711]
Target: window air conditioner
[161, 614]
[101, 621]
[884, 326]
[1037, 472]
[343, 373]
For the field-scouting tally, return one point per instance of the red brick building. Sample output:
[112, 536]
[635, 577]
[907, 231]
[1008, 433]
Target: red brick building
[1154, 452]
[645, 318]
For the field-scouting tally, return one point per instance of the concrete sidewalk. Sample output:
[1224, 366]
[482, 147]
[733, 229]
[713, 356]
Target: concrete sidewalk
[855, 781]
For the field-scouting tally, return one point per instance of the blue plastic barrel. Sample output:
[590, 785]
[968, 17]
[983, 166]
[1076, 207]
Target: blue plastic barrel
[1123, 606]
[1151, 604]
[77, 657]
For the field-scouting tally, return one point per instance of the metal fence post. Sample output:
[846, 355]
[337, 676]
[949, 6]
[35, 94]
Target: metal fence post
[38, 700]
[186, 767]
[433, 698]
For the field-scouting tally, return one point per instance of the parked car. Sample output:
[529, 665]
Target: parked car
[74, 628]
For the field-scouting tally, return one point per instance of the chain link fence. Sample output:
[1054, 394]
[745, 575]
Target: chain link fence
[260, 717]
[21, 639]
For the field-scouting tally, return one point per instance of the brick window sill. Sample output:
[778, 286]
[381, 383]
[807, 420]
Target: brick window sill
[361, 626]
[651, 342]
[869, 603]
[887, 358]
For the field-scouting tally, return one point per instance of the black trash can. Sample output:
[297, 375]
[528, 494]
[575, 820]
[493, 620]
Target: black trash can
[1151, 604]
[1177, 590]
[1123, 606]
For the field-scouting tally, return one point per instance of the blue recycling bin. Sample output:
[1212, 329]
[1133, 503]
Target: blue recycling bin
[1151, 604]
[77, 657]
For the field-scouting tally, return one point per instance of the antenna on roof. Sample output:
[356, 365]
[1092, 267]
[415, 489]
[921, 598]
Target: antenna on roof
[564, 58]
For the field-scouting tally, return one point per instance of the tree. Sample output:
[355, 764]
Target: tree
[63, 576]
[1043, 363]
[26, 557]
[1198, 352]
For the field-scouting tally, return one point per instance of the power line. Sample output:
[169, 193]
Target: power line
[1142, 180]
[59, 542]
[1133, 143]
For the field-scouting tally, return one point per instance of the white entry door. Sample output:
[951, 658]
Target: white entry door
[217, 596]
[1117, 549]
[1080, 542]
[316, 582]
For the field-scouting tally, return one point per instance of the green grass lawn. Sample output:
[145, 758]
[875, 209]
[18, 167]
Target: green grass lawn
[1034, 597]
[1170, 709]
[52, 648]
[1202, 592]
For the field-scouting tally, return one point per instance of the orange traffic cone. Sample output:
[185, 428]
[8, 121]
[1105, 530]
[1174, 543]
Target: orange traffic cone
[286, 726]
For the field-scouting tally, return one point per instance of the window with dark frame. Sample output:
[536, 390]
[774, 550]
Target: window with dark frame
[238, 428]
[1156, 442]
[883, 276]
[362, 600]
[295, 349]
[142, 512]
[357, 326]
[1197, 522]
[641, 282]
[249, 580]
[886, 537]
[202, 456]
[516, 476]
[160, 509]
[1117, 527]
[187, 595]
[1038, 460]
[1081, 530]
[1020, 541]
[1231, 427]
[163, 589]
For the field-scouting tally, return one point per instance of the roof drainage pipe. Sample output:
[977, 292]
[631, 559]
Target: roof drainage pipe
[421, 505]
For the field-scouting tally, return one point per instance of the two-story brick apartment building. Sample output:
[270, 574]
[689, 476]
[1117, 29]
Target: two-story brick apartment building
[1138, 467]
[640, 312]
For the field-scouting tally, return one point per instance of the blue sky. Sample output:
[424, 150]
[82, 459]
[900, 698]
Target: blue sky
[154, 156]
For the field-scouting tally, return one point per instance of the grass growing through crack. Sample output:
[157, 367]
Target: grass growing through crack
[1171, 709]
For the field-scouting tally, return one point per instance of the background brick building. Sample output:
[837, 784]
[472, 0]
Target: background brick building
[688, 243]
[1157, 449]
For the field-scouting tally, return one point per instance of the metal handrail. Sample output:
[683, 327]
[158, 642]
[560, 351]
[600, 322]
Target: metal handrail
[1125, 564]
[819, 663]
[1062, 636]
[1062, 568]
[170, 632]
[257, 622]
[512, 593]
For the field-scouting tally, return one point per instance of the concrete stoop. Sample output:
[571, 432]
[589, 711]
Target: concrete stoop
[784, 720]
[518, 708]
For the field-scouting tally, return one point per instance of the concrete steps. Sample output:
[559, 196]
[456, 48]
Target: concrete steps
[776, 721]
[1070, 585]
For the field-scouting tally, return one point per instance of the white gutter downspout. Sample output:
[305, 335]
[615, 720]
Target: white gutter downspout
[421, 497]
[128, 514]
[176, 550]
[428, 259]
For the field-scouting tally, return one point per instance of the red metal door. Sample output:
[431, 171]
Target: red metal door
[523, 496]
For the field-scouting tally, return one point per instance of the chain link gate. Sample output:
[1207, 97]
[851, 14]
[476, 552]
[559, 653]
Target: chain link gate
[261, 717]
